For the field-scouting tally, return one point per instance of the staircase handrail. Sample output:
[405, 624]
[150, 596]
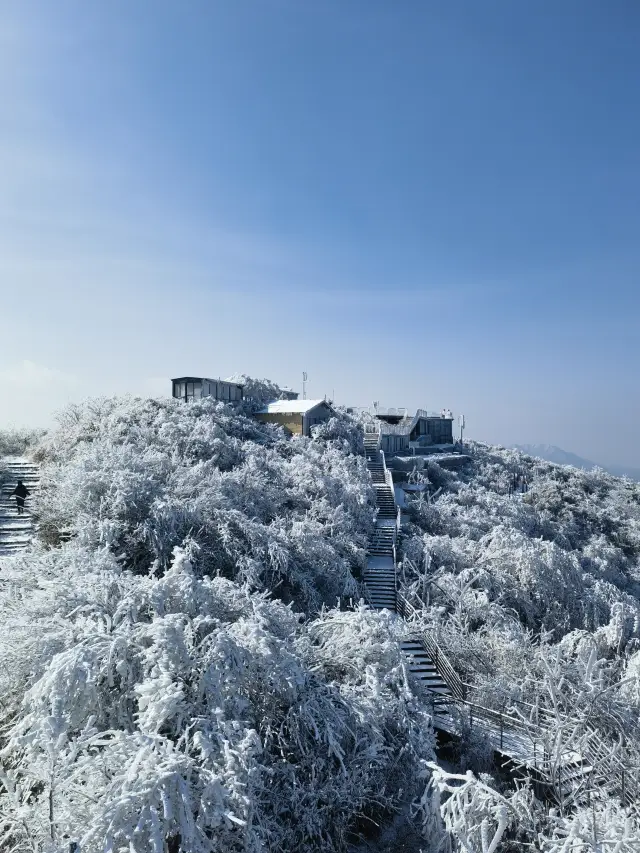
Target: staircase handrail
[439, 658]
[388, 478]
[452, 679]
[596, 752]
[505, 721]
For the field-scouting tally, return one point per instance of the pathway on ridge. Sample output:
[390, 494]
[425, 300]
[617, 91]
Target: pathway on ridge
[16, 531]
[380, 572]
[507, 735]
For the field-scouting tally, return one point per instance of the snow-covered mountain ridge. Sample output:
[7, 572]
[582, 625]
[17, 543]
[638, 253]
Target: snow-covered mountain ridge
[170, 681]
[551, 453]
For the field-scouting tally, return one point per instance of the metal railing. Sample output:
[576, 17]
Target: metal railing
[408, 424]
[388, 479]
[626, 780]
[397, 429]
[439, 658]
[613, 775]
[619, 779]
[383, 411]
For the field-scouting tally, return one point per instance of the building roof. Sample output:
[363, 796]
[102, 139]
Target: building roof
[291, 407]
[205, 379]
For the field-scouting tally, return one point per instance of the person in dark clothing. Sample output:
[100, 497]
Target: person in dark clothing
[21, 492]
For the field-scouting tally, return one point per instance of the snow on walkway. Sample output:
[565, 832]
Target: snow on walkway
[16, 531]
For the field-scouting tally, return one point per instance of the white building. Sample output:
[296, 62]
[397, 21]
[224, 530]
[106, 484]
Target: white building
[298, 416]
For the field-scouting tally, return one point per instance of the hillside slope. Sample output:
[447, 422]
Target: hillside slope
[172, 679]
[166, 679]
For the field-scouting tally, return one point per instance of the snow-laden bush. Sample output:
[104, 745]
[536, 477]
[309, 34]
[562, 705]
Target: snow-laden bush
[158, 689]
[143, 476]
[256, 392]
[16, 442]
[534, 592]
[342, 431]
[564, 555]
[137, 709]
[469, 815]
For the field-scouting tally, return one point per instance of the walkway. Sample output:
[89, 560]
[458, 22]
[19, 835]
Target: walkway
[568, 774]
[16, 531]
[380, 572]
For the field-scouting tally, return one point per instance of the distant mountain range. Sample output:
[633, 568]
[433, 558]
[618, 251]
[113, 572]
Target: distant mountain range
[563, 457]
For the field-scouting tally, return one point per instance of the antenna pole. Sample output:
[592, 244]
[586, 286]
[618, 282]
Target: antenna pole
[304, 384]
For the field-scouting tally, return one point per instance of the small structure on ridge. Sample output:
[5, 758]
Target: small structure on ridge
[297, 416]
[189, 388]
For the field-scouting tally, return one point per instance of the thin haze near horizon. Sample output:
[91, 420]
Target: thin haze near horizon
[419, 203]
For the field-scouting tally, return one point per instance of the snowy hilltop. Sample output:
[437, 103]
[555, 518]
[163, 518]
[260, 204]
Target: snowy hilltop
[187, 667]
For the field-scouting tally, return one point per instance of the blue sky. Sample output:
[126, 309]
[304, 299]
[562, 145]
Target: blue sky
[422, 203]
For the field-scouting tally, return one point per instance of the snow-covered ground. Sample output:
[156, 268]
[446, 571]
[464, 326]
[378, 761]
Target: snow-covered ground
[175, 676]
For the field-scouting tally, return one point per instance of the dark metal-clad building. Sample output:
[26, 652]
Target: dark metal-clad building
[401, 432]
[195, 387]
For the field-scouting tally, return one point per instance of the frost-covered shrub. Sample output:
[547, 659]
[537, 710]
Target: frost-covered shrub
[16, 442]
[342, 431]
[158, 690]
[466, 813]
[560, 555]
[142, 476]
[140, 709]
[535, 594]
[256, 392]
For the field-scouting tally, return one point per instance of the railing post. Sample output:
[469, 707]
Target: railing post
[501, 730]
[623, 791]
[470, 716]
[560, 791]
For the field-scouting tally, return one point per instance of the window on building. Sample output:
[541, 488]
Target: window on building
[194, 390]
